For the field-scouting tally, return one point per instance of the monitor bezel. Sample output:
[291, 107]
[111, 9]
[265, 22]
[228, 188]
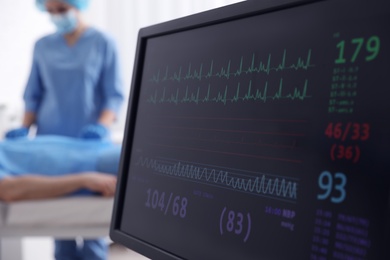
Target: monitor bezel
[227, 13]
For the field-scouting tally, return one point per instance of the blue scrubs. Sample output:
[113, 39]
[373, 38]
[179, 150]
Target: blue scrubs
[69, 86]
[57, 156]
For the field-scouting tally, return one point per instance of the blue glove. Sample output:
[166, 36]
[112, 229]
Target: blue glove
[17, 133]
[94, 131]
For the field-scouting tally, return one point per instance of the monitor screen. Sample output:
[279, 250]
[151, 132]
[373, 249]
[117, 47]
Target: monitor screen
[260, 130]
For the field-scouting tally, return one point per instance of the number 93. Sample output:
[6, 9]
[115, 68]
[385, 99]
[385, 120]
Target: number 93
[328, 183]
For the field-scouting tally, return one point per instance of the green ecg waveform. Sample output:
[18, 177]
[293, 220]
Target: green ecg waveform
[224, 97]
[227, 71]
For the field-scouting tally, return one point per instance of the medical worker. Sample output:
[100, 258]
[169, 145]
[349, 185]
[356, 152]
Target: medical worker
[74, 88]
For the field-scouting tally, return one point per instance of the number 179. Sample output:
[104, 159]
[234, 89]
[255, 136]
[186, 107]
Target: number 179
[372, 46]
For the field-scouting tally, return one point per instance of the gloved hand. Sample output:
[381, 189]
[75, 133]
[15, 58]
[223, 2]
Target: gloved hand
[94, 131]
[17, 133]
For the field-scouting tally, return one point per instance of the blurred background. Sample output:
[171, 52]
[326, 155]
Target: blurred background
[22, 24]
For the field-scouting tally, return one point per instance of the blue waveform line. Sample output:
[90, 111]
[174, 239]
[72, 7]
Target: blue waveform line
[263, 185]
[227, 72]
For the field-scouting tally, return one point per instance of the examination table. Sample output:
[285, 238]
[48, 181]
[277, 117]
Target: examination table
[63, 218]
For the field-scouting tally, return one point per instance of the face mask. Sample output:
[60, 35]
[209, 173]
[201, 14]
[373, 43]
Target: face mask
[65, 23]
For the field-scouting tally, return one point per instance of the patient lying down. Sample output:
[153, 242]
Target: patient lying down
[53, 166]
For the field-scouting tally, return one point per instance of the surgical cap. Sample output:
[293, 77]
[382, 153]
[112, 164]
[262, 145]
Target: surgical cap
[79, 4]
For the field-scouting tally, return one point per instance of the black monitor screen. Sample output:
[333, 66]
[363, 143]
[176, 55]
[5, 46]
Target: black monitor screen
[260, 131]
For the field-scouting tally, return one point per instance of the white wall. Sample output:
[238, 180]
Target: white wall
[22, 24]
